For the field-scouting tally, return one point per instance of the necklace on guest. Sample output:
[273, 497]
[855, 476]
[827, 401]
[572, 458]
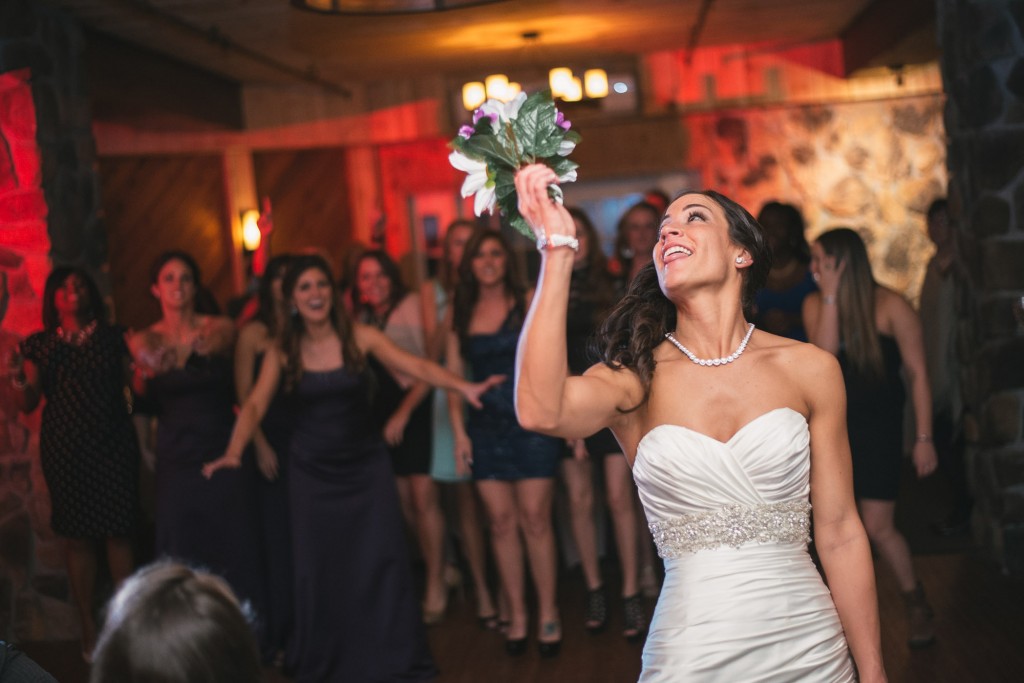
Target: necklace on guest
[76, 337]
[713, 361]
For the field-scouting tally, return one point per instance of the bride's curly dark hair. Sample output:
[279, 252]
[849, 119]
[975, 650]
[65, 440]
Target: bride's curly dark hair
[637, 324]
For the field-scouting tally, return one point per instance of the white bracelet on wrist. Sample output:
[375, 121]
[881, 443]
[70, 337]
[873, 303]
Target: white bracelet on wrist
[545, 242]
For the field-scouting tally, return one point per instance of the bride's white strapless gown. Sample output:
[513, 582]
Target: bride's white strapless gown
[742, 600]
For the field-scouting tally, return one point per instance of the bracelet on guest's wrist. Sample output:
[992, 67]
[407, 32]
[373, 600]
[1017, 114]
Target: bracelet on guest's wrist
[828, 299]
[924, 438]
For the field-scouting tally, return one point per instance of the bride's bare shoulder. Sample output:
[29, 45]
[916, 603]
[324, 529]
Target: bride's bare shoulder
[797, 358]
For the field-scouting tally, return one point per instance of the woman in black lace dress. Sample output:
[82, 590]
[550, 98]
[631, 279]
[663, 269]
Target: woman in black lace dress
[87, 445]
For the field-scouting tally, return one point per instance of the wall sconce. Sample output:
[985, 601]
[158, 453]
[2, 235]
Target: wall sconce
[251, 234]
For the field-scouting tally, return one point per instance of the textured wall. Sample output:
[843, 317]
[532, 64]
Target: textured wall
[49, 207]
[872, 166]
[983, 70]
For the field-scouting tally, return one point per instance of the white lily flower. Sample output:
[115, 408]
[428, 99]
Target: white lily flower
[569, 177]
[476, 181]
[565, 148]
[513, 107]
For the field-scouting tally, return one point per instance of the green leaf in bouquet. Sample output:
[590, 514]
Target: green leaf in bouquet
[561, 165]
[488, 148]
[535, 129]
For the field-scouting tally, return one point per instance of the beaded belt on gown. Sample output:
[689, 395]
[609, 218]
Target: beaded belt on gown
[734, 525]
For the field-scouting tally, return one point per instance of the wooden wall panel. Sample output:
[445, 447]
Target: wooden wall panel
[156, 203]
[308, 191]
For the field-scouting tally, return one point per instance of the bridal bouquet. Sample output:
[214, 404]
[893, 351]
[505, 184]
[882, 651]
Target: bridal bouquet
[505, 137]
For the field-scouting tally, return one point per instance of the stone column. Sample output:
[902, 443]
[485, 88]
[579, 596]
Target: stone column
[49, 214]
[982, 44]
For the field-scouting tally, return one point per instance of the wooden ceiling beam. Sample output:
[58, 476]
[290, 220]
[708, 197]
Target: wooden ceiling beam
[881, 25]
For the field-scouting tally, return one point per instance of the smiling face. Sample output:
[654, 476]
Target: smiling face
[312, 295]
[175, 285]
[72, 297]
[374, 284]
[694, 248]
[489, 263]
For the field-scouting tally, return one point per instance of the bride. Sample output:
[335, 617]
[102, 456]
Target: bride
[734, 435]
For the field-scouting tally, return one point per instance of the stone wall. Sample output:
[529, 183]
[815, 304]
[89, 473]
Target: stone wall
[873, 166]
[983, 69]
[49, 213]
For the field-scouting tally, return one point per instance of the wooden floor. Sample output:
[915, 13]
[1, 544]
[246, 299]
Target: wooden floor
[980, 625]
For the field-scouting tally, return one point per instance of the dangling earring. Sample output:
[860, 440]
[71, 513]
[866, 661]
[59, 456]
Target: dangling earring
[294, 310]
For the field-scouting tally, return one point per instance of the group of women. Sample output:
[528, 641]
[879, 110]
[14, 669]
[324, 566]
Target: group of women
[338, 406]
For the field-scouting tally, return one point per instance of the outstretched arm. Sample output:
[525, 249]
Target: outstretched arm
[839, 535]
[250, 414]
[371, 340]
[548, 400]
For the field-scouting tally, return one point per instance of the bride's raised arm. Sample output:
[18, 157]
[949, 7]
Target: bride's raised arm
[548, 400]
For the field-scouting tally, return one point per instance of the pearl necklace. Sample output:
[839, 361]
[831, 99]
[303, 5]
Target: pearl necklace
[713, 361]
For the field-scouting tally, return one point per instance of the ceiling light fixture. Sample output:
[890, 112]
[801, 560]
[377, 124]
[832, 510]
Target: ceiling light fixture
[386, 6]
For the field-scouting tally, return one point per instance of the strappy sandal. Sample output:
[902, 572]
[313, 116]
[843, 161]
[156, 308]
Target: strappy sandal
[636, 620]
[596, 610]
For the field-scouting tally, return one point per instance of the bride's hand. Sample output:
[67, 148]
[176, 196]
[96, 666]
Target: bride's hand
[546, 216]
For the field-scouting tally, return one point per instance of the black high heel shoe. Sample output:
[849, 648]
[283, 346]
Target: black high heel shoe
[596, 610]
[550, 648]
[636, 620]
[515, 647]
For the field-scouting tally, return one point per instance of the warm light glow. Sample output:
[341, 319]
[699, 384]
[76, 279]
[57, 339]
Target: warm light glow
[473, 95]
[250, 230]
[513, 90]
[560, 80]
[497, 87]
[595, 82]
[575, 91]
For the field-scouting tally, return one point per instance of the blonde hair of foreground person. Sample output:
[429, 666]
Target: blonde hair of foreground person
[172, 624]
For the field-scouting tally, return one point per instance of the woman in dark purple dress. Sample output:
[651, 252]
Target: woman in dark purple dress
[356, 613]
[270, 445]
[183, 364]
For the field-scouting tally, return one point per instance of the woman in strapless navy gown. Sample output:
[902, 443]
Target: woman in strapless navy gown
[735, 436]
[182, 363]
[356, 613]
[874, 333]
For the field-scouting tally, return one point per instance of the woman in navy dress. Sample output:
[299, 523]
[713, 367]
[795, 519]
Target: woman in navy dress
[183, 364]
[356, 614]
[87, 446]
[514, 469]
[270, 445]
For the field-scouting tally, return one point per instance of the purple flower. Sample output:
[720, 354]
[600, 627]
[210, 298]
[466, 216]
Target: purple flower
[561, 121]
[480, 114]
[466, 131]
